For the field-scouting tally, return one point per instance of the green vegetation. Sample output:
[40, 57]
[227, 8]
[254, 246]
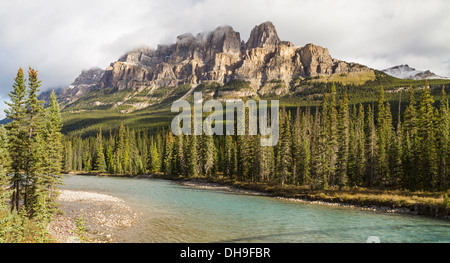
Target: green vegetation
[80, 230]
[30, 163]
[236, 85]
[333, 145]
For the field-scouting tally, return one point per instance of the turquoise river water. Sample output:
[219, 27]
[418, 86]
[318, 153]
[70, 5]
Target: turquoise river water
[170, 212]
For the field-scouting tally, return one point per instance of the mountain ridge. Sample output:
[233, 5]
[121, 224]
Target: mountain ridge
[404, 71]
[217, 56]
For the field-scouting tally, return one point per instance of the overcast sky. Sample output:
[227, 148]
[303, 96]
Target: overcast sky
[62, 37]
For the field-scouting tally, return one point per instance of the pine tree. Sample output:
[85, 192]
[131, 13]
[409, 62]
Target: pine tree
[344, 141]
[318, 148]
[53, 148]
[264, 161]
[427, 169]
[443, 143]
[99, 160]
[371, 148]
[383, 134]
[332, 135]
[208, 153]
[360, 136]
[68, 157]
[284, 158]
[17, 134]
[168, 156]
[153, 158]
[228, 169]
[410, 144]
[34, 185]
[192, 159]
[304, 155]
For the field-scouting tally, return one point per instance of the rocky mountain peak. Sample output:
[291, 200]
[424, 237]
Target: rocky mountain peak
[407, 72]
[263, 36]
[268, 64]
[90, 76]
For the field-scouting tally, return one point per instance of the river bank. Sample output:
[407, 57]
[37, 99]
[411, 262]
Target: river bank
[100, 218]
[414, 203]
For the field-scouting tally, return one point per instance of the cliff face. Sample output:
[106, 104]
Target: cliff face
[217, 56]
[83, 84]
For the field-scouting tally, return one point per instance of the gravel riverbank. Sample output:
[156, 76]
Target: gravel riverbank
[104, 216]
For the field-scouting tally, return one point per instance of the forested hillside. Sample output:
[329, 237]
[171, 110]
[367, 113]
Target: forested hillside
[334, 144]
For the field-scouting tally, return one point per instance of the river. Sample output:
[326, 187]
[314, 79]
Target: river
[170, 212]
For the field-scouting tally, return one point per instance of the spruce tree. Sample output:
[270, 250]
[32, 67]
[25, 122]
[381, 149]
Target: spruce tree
[410, 145]
[371, 148]
[427, 168]
[168, 155]
[344, 143]
[360, 136]
[208, 153]
[443, 143]
[99, 160]
[53, 148]
[17, 135]
[192, 159]
[383, 135]
[284, 159]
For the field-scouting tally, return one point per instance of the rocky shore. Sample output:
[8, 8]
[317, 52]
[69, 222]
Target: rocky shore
[103, 217]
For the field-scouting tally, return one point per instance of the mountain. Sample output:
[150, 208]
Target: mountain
[218, 59]
[406, 72]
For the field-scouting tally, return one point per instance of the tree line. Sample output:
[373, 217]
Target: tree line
[30, 162]
[332, 145]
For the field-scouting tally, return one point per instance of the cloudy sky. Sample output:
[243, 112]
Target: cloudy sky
[62, 37]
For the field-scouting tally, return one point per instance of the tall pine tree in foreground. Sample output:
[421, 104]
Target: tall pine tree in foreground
[35, 188]
[17, 134]
[53, 149]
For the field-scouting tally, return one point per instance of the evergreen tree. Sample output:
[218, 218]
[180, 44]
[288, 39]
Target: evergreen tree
[427, 168]
[371, 148]
[383, 135]
[34, 185]
[284, 161]
[330, 123]
[360, 136]
[168, 157]
[344, 143]
[153, 158]
[100, 162]
[17, 134]
[208, 153]
[443, 143]
[410, 144]
[192, 158]
[68, 157]
[53, 148]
